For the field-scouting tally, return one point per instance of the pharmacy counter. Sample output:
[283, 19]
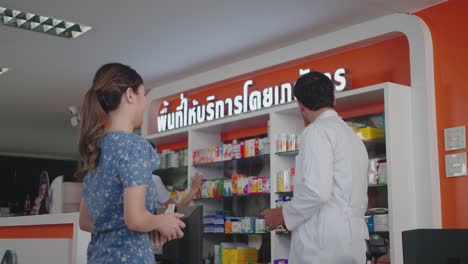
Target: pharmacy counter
[54, 238]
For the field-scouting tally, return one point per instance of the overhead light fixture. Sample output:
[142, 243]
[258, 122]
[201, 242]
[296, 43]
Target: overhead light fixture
[43, 24]
[3, 70]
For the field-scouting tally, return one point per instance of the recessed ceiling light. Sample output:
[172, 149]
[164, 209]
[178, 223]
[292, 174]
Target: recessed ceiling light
[43, 24]
[3, 70]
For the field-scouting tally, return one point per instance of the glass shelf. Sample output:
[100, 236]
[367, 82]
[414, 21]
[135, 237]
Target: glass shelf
[234, 196]
[225, 163]
[290, 153]
[170, 170]
[237, 234]
[377, 185]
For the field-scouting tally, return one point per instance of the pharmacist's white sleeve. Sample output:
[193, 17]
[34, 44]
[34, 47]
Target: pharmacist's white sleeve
[162, 193]
[314, 177]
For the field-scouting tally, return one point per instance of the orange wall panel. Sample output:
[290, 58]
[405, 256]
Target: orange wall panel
[37, 231]
[447, 23]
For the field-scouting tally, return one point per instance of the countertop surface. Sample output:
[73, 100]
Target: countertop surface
[48, 219]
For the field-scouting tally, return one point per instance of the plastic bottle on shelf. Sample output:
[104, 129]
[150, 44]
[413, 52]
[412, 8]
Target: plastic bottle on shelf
[246, 148]
[257, 146]
[279, 143]
[242, 150]
[185, 163]
[282, 144]
[236, 150]
[291, 142]
[251, 147]
[279, 182]
[266, 145]
[292, 172]
[261, 146]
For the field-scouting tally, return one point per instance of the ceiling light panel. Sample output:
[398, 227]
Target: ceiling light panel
[43, 24]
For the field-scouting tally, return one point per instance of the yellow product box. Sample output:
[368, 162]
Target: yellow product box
[247, 255]
[239, 255]
[370, 133]
[229, 256]
[174, 195]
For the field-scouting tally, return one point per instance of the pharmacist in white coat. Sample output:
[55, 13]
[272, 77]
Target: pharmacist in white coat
[326, 215]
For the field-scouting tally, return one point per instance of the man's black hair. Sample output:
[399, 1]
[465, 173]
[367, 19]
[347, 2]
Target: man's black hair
[315, 91]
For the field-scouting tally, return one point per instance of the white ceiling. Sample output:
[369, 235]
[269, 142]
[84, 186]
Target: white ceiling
[163, 40]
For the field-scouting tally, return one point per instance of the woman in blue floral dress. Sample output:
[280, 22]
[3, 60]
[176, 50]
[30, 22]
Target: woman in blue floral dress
[118, 195]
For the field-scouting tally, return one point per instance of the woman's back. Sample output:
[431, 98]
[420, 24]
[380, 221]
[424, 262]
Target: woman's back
[126, 160]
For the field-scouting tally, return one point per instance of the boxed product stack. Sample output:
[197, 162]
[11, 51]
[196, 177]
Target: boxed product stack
[244, 225]
[235, 150]
[369, 128]
[235, 253]
[213, 224]
[370, 133]
[173, 159]
[183, 158]
[221, 224]
[285, 180]
[239, 255]
[239, 184]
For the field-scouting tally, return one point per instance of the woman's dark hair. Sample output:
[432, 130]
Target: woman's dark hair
[315, 91]
[110, 83]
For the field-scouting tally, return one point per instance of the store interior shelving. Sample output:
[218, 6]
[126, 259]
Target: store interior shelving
[287, 119]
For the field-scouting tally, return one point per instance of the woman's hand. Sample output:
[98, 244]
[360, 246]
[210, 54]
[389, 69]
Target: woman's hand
[157, 239]
[170, 226]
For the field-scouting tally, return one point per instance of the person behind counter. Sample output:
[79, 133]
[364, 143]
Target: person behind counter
[164, 199]
[118, 193]
[326, 214]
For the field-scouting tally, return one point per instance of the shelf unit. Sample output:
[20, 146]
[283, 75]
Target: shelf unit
[286, 118]
[249, 161]
[237, 234]
[233, 196]
[291, 153]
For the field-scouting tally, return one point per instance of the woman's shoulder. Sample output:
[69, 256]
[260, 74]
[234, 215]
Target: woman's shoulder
[124, 139]
[123, 144]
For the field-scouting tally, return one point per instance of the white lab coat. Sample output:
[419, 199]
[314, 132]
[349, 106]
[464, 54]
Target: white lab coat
[326, 215]
[162, 194]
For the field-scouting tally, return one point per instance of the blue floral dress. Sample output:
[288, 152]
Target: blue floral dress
[126, 160]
